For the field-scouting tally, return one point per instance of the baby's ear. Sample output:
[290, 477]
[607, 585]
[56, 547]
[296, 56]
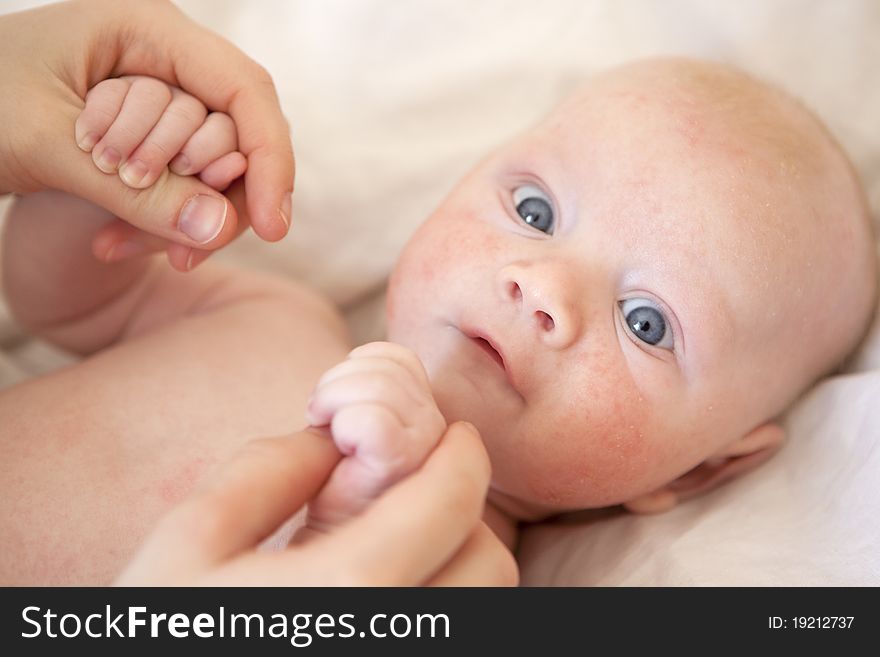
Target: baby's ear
[732, 460]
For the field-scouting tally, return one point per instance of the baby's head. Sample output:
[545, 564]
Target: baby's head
[624, 299]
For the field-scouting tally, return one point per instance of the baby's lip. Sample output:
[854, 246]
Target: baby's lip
[492, 348]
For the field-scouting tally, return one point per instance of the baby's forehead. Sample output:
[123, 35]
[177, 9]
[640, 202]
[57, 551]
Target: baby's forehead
[701, 105]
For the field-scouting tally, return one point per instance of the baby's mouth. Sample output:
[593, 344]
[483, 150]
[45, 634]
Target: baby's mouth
[484, 342]
[486, 346]
[495, 353]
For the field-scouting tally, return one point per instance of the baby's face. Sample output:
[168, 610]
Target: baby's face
[604, 297]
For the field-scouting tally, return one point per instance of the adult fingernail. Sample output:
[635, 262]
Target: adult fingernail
[123, 250]
[202, 218]
[88, 142]
[133, 173]
[107, 160]
[285, 210]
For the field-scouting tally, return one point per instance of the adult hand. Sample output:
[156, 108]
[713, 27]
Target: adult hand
[424, 530]
[51, 56]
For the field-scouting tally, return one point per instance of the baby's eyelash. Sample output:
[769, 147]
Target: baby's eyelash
[534, 207]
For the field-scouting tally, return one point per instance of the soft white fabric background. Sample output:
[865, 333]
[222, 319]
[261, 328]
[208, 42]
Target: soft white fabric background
[390, 101]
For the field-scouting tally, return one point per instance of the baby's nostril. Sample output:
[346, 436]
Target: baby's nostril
[544, 320]
[514, 291]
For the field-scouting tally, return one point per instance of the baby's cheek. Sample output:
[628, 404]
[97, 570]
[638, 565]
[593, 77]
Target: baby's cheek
[599, 445]
[611, 453]
[443, 254]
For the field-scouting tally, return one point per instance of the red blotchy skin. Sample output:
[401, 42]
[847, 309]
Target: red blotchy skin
[175, 488]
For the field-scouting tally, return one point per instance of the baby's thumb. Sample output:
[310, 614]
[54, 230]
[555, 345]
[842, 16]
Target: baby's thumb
[180, 209]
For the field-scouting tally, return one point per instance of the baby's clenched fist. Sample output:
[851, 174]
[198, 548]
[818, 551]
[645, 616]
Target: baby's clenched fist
[383, 418]
[136, 125]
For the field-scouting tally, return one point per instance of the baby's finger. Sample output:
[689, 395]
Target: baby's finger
[103, 103]
[381, 366]
[220, 173]
[376, 434]
[380, 454]
[214, 139]
[358, 388]
[179, 121]
[144, 103]
[404, 356]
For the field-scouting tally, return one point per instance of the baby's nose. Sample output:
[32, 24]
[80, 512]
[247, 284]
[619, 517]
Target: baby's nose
[543, 299]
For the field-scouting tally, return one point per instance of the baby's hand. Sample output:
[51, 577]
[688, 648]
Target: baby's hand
[136, 125]
[383, 418]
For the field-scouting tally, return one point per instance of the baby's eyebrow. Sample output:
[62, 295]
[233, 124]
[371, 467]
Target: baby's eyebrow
[705, 314]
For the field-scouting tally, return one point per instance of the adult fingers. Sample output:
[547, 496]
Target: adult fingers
[482, 561]
[411, 531]
[118, 240]
[184, 258]
[242, 503]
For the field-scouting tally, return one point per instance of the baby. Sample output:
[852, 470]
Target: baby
[623, 300]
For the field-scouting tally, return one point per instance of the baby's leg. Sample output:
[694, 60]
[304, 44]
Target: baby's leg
[92, 455]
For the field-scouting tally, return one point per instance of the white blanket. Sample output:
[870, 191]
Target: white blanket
[391, 101]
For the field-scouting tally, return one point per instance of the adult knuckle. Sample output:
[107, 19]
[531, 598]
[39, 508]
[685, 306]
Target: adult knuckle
[261, 75]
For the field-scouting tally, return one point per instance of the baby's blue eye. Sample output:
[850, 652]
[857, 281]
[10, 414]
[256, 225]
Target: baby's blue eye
[534, 207]
[646, 321]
